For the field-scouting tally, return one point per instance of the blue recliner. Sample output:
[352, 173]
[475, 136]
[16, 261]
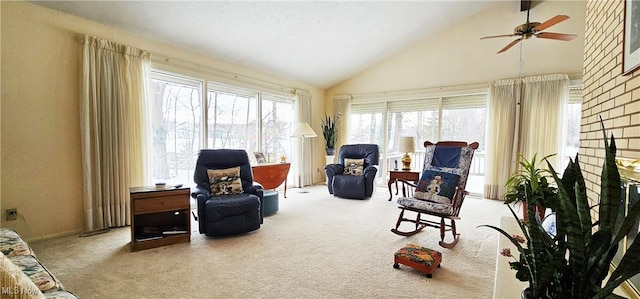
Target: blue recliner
[354, 175]
[228, 202]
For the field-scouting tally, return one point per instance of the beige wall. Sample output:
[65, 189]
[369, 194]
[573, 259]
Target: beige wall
[40, 133]
[1, 214]
[607, 93]
[457, 56]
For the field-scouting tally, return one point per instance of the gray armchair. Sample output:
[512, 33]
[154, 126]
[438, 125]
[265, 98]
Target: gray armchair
[354, 174]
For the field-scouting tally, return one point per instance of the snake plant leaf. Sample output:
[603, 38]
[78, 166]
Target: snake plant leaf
[628, 222]
[569, 226]
[610, 186]
[598, 250]
[628, 267]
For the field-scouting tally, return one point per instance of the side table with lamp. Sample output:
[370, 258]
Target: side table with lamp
[406, 145]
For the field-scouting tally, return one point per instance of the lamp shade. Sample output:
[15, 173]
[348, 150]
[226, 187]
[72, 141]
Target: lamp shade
[406, 144]
[303, 130]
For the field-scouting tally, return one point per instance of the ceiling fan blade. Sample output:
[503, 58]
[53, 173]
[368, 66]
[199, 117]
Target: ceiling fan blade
[513, 43]
[494, 36]
[555, 20]
[558, 36]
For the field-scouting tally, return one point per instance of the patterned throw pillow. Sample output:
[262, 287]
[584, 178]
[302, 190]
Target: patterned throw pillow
[437, 186]
[353, 166]
[225, 181]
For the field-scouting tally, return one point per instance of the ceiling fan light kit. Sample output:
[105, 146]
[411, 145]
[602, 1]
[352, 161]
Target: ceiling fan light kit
[529, 29]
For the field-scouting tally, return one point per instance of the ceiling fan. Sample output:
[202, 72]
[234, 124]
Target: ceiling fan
[529, 29]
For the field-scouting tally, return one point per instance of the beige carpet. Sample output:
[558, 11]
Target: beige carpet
[316, 246]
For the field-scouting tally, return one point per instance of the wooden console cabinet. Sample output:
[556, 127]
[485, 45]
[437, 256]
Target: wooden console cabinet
[159, 217]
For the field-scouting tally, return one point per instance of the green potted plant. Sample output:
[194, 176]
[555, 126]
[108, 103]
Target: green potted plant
[575, 261]
[533, 183]
[330, 132]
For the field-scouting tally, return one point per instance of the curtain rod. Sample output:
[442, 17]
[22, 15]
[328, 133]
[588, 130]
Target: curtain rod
[207, 69]
[470, 88]
[158, 58]
[575, 80]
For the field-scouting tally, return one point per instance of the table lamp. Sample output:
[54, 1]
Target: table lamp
[406, 145]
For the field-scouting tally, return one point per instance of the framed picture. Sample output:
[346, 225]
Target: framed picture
[631, 40]
[260, 157]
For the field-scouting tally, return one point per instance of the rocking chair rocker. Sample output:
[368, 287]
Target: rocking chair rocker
[440, 191]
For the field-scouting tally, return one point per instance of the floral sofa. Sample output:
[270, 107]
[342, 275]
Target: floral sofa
[22, 275]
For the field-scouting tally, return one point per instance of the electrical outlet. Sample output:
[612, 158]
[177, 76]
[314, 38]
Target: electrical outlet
[12, 214]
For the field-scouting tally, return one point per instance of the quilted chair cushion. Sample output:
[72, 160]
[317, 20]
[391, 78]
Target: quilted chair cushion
[441, 208]
[464, 162]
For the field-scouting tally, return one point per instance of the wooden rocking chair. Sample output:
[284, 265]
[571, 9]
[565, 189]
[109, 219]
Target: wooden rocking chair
[440, 191]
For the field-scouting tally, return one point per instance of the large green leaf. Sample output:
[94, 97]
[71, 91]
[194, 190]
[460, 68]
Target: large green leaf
[628, 267]
[628, 222]
[569, 225]
[610, 187]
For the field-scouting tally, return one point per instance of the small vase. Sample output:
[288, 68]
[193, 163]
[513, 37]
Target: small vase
[330, 151]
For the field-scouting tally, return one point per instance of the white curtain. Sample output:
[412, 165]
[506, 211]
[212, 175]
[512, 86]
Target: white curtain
[113, 139]
[303, 103]
[502, 107]
[525, 116]
[544, 103]
[342, 106]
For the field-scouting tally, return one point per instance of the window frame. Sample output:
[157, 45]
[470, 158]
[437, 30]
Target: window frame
[187, 77]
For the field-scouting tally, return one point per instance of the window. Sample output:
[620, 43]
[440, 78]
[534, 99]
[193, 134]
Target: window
[464, 118]
[417, 118]
[175, 114]
[277, 126]
[232, 118]
[184, 118]
[433, 119]
[574, 116]
[366, 123]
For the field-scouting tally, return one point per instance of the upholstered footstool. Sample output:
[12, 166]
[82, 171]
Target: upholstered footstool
[420, 258]
[271, 205]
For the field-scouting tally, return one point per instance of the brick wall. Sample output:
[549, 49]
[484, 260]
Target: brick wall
[606, 92]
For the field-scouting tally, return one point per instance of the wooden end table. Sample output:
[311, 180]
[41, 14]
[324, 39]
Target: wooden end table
[159, 216]
[271, 175]
[407, 175]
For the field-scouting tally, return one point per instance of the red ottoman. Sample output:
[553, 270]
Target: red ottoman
[420, 258]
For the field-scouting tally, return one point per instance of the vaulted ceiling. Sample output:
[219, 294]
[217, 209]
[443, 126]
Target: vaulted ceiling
[319, 42]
